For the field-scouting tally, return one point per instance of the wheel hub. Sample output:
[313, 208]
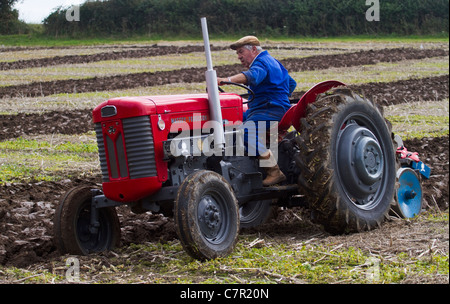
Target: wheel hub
[209, 217]
[360, 163]
[368, 159]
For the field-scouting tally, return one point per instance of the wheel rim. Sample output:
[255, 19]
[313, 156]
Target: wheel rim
[361, 163]
[249, 211]
[409, 193]
[91, 240]
[212, 218]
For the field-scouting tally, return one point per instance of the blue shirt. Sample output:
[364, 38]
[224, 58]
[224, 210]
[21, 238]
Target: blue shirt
[272, 85]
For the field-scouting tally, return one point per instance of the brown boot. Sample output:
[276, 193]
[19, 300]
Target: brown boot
[274, 174]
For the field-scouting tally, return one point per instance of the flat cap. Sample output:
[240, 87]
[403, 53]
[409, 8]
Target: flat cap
[247, 40]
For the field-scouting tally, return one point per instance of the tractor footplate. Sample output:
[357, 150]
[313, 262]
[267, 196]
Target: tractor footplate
[271, 192]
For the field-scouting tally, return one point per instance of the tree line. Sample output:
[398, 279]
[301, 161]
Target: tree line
[9, 19]
[259, 17]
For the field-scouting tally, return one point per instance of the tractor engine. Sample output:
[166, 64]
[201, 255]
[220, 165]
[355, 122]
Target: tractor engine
[131, 132]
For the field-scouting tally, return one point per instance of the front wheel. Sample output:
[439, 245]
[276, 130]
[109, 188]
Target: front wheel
[206, 215]
[348, 162]
[73, 231]
[255, 213]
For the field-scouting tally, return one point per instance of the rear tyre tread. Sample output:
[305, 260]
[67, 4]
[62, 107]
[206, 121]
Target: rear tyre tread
[318, 181]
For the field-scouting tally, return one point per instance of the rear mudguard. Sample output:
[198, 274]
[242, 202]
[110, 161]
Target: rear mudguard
[296, 112]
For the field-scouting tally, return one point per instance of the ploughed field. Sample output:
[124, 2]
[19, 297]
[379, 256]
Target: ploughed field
[47, 142]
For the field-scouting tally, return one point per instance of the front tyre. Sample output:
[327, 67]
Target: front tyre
[73, 232]
[255, 213]
[348, 162]
[206, 215]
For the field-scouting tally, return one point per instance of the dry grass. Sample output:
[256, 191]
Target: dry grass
[139, 65]
[38, 53]
[419, 119]
[381, 72]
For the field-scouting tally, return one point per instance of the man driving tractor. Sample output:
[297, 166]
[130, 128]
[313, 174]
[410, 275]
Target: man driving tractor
[272, 86]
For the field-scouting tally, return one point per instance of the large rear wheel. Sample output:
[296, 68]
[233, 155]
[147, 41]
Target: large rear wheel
[348, 162]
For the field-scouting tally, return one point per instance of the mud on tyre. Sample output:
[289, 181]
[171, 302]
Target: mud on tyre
[206, 215]
[73, 233]
[347, 161]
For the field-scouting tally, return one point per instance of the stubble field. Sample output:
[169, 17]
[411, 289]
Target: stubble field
[47, 146]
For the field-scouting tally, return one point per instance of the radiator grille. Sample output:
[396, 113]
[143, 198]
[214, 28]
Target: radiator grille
[101, 152]
[139, 148]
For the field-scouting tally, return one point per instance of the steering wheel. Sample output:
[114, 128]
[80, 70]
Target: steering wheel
[249, 94]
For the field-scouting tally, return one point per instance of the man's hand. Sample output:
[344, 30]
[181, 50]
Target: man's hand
[238, 78]
[220, 80]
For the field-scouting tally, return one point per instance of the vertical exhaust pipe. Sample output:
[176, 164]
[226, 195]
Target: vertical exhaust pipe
[213, 91]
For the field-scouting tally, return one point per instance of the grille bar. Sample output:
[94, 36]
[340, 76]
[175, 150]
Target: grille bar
[101, 152]
[137, 133]
[140, 147]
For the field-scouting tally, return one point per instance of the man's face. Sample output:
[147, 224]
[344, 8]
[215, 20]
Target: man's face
[246, 56]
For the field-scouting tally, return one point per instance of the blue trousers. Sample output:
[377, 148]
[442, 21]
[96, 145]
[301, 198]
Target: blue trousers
[256, 127]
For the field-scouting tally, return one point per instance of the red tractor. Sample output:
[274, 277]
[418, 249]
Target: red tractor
[334, 147]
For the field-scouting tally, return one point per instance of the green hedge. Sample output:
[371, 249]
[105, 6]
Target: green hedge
[268, 17]
[9, 19]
